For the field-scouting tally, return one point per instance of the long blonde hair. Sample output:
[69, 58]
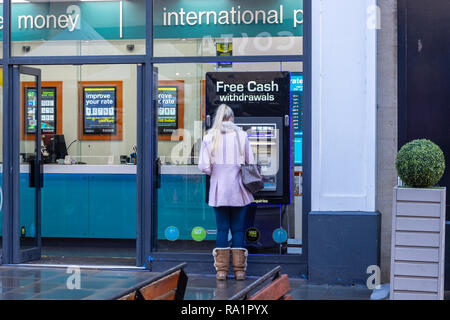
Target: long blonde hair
[223, 113]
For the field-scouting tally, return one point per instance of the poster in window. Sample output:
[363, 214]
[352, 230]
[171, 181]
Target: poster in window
[224, 50]
[170, 110]
[48, 110]
[167, 110]
[99, 110]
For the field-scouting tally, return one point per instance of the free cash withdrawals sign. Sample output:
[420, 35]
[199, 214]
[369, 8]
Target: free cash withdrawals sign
[99, 110]
[257, 94]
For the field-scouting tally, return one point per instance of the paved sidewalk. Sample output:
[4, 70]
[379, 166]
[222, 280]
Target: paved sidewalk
[51, 283]
[202, 287]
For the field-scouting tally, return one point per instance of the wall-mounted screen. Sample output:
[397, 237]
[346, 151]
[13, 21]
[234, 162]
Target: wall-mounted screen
[167, 109]
[100, 107]
[297, 115]
[170, 104]
[99, 110]
[48, 110]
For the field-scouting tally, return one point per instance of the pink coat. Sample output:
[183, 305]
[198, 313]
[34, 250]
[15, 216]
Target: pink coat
[226, 188]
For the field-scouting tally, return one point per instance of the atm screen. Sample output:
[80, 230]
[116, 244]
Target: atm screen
[263, 139]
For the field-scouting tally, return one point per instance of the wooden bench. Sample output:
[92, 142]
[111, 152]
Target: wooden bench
[276, 287]
[169, 285]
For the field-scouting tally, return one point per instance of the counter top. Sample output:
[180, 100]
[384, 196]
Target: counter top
[111, 169]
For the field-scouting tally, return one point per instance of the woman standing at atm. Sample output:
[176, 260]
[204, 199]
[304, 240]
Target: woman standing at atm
[221, 158]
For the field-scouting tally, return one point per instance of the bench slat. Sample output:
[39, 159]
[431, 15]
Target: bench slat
[170, 295]
[274, 291]
[161, 287]
[130, 296]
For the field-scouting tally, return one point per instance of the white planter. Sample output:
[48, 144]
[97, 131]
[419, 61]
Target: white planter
[418, 244]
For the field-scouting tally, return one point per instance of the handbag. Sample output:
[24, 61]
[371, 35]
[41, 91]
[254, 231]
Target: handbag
[251, 173]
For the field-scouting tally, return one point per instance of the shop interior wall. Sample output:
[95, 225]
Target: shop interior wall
[91, 152]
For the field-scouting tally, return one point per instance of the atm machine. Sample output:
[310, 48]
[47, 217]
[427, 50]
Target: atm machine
[261, 105]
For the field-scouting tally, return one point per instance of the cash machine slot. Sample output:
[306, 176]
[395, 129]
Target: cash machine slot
[265, 141]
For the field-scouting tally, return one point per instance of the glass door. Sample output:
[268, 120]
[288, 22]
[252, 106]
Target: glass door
[28, 122]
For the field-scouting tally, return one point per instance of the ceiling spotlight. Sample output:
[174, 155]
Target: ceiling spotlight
[130, 47]
[26, 48]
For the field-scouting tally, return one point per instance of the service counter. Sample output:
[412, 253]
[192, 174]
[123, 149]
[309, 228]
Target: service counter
[99, 201]
[111, 169]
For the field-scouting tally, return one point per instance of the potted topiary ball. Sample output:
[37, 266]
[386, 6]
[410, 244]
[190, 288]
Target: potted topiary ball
[418, 223]
[420, 164]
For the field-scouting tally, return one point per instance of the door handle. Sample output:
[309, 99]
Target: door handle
[41, 174]
[32, 172]
[36, 173]
[158, 173]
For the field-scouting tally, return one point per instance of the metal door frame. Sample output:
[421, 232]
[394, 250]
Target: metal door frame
[23, 255]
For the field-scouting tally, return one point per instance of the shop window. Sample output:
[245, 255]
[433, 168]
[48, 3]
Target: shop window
[185, 220]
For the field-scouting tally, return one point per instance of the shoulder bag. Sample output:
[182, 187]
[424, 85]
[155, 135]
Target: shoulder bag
[251, 173]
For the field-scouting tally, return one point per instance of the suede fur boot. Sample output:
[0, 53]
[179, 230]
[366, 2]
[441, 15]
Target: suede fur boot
[239, 260]
[221, 262]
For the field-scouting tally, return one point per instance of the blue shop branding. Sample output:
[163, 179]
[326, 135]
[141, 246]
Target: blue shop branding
[38, 21]
[70, 20]
[234, 16]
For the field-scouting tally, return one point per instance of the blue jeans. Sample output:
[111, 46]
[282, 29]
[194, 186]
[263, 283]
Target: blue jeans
[230, 218]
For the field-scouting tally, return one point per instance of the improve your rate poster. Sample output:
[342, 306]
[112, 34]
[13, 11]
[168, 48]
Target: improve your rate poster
[99, 108]
[167, 110]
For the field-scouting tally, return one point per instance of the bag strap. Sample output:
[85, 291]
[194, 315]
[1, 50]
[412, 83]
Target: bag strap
[239, 145]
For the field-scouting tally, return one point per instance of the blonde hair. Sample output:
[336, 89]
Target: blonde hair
[223, 113]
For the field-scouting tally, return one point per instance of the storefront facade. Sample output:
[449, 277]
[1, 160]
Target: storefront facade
[127, 91]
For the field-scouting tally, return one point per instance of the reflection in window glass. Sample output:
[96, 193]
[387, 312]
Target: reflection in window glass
[72, 28]
[228, 28]
[185, 220]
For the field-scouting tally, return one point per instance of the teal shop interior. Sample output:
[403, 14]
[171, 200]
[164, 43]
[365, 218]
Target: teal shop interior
[89, 200]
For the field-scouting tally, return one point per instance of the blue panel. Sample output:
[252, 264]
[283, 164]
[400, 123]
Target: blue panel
[112, 206]
[104, 206]
[341, 245]
[65, 209]
[181, 203]
[27, 205]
